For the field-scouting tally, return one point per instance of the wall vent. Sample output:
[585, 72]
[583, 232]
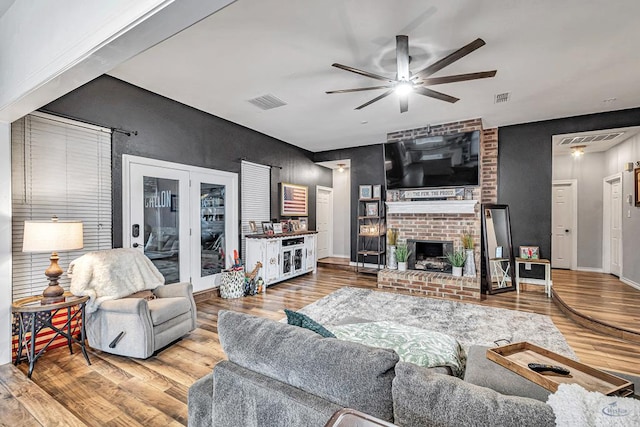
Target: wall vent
[502, 97]
[590, 138]
[267, 102]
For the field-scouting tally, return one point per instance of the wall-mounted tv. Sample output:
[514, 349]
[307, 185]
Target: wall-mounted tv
[433, 161]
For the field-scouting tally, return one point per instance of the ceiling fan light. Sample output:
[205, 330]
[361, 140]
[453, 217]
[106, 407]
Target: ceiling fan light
[404, 88]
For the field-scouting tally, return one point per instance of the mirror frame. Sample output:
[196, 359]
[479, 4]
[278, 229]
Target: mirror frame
[486, 277]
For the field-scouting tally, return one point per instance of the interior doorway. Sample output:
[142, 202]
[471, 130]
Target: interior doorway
[612, 225]
[324, 226]
[564, 224]
[341, 211]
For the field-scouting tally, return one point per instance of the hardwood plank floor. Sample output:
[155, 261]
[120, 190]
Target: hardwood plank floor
[121, 391]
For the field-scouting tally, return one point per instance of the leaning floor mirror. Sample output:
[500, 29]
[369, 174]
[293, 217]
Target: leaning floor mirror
[498, 260]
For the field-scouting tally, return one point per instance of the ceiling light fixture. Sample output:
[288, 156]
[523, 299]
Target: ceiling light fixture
[404, 87]
[341, 167]
[577, 151]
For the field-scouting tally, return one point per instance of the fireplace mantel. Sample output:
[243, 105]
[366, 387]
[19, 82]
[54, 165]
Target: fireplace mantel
[432, 206]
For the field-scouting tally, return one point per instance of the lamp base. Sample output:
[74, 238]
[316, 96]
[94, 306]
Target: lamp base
[54, 292]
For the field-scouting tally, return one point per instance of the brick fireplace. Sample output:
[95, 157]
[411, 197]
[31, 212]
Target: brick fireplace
[444, 220]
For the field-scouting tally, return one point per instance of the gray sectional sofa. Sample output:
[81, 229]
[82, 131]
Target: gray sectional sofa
[283, 375]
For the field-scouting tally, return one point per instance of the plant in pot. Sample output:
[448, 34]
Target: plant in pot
[402, 255]
[470, 263]
[392, 238]
[456, 259]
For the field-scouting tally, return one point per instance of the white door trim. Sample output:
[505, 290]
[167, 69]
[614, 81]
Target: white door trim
[606, 221]
[573, 184]
[330, 230]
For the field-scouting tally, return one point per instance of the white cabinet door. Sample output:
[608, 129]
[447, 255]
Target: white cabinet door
[271, 260]
[310, 246]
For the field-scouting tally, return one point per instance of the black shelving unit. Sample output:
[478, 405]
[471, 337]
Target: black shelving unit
[371, 242]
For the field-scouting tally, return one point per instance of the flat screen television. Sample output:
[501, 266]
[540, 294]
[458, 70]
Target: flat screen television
[433, 161]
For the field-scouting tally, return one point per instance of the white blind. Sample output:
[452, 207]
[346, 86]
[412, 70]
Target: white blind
[61, 168]
[256, 197]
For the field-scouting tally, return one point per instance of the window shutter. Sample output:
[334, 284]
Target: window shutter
[256, 197]
[63, 168]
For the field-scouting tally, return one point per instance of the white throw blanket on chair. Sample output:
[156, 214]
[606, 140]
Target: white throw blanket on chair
[112, 274]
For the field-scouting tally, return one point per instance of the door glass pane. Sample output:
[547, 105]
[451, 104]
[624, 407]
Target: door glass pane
[161, 225]
[212, 204]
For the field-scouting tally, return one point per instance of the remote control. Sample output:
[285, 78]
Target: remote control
[540, 367]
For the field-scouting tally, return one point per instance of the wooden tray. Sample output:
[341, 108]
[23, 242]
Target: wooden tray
[517, 356]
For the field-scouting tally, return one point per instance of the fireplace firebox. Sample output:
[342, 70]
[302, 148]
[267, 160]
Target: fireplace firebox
[429, 255]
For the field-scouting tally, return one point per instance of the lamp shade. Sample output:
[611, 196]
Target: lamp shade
[51, 236]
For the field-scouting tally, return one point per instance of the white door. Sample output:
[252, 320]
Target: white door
[562, 225]
[324, 198]
[159, 219]
[615, 226]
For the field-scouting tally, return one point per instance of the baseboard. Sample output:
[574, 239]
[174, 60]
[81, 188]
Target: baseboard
[340, 256]
[366, 265]
[630, 282]
[532, 281]
[590, 269]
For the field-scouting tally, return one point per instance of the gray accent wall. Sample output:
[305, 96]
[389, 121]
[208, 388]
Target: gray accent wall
[171, 131]
[589, 172]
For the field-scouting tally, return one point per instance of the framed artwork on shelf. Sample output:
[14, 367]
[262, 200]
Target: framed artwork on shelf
[252, 226]
[277, 228]
[377, 191]
[365, 191]
[303, 224]
[372, 209]
[293, 199]
[267, 227]
[529, 252]
[295, 223]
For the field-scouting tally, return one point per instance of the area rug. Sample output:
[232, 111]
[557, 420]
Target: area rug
[470, 324]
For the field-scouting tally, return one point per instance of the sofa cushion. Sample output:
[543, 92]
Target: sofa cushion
[298, 319]
[163, 309]
[345, 373]
[487, 373]
[421, 397]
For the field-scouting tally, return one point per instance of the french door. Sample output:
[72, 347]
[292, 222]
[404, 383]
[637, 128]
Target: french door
[183, 218]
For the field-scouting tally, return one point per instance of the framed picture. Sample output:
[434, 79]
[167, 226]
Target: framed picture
[293, 199]
[303, 224]
[277, 228]
[372, 209]
[377, 191]
[267, 227]
[636, 174]
[529, 252]
[365, 191]
[295, 223]
[252, 226]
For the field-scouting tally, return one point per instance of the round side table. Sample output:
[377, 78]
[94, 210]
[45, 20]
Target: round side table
[34, 315]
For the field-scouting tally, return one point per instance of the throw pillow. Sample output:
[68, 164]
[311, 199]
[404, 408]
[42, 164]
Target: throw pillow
[302, 320]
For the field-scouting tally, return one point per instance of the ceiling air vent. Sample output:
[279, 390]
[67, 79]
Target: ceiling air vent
[502, 97]
[590, 138]
[267, 102]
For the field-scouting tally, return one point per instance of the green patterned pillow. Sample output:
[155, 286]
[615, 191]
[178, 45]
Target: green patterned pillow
[302, 320]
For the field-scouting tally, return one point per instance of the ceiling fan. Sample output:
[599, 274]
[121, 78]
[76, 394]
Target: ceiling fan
[407, 82]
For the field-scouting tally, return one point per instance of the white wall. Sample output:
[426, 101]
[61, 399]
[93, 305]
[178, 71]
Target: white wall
[589, 171]
[5, 243]
[628, 151]
[341, 211]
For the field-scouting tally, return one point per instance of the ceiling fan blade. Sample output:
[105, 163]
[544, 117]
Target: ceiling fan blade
[430, 81]
[402, 57]
[377, 98]
[404, 103]
[359, 89]
[437, 95]
[450, 59]
[362, 73]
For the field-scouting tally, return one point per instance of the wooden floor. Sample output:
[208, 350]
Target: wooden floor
[121, 391]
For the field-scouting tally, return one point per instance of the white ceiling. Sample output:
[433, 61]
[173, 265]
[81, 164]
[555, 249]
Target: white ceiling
[556, 58]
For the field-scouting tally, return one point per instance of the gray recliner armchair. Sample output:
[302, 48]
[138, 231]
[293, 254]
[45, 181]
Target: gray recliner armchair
[131, 312]
[147, 326]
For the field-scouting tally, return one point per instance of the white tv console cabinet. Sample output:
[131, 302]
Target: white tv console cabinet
[283, 256]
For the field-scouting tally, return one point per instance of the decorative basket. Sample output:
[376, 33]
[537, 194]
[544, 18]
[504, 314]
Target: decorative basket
[232, 284]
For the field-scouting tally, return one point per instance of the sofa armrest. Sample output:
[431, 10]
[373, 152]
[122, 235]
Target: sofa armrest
[173, 290]
[124, 305]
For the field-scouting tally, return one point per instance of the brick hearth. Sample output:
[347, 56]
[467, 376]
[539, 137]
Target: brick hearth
[445, 226]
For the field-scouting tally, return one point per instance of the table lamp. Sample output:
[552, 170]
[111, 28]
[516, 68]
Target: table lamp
[52, 236]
